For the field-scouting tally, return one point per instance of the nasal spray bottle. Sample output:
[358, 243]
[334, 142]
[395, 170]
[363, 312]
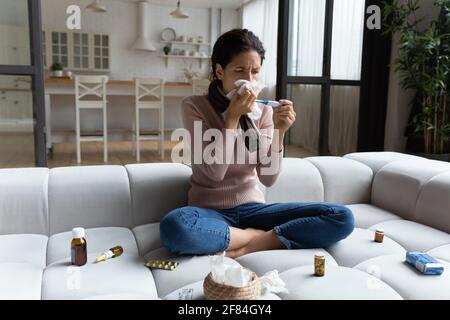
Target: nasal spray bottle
[111, 253]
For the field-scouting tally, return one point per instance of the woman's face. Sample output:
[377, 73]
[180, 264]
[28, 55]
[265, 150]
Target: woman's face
[245, 66]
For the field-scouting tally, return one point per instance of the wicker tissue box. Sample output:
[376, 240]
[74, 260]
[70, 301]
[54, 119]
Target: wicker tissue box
[218, 291]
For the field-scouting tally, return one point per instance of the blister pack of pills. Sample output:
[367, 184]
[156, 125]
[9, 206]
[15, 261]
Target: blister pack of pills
[162, 264]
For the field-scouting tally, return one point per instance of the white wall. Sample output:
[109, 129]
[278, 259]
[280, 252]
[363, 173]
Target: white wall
[229, 19]
[399, 100]
[121, 23]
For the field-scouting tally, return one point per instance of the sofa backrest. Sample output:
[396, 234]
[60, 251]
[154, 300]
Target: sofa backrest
[89, 196]
[24, 201]
[345, 181]
[397, 185]
[299, 180]
[433, 203]
[156, 189]
[42, 201]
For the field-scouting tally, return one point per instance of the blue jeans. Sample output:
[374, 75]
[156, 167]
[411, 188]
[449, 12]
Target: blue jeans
[298, 225]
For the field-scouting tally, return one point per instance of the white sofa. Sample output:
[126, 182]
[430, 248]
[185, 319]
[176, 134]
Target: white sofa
[409, 197]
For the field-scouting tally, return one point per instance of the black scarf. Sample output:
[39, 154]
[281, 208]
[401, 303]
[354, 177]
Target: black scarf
[221, 104]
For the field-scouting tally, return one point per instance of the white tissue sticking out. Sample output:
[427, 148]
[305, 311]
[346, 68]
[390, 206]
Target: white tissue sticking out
[257, 88]
[271, 282]
[237, 276]
[234, 276]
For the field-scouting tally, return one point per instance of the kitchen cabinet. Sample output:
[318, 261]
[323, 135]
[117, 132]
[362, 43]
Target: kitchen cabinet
[79, 51]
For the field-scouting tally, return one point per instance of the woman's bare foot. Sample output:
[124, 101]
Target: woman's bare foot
[254, 232]
[245, 237]
[264, 241]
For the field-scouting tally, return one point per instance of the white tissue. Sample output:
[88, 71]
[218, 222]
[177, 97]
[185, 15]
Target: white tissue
[237, 276]
[257, 88]
[271, 282]
[230, 275]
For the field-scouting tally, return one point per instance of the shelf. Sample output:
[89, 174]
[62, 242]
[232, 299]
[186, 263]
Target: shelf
[183, 57]
[191, 43]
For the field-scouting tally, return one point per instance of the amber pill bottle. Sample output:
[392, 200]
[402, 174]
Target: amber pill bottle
[78, 247]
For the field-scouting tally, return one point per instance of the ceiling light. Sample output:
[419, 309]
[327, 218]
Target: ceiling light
[179, 13]
[96, 6]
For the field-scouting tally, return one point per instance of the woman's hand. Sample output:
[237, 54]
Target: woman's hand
[284, 116]
[240, 105]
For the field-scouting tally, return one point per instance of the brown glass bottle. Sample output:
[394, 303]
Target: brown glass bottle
[78, 247]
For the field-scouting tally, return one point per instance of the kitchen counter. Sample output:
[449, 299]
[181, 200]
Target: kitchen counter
[66, 87]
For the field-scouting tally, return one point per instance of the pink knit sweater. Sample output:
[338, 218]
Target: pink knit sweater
[228, 184]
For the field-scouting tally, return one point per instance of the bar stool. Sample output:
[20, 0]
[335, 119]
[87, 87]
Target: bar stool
[91, 86]
[149, 96]
[200, 86]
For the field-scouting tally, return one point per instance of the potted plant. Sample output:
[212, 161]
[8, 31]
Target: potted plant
[57, 69]
[166, 50]
[424, 65]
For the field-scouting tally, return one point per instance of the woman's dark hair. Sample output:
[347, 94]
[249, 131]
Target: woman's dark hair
[231, 44]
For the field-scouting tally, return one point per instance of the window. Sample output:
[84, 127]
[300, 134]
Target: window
[60, 50]
[80, 50]
[101, 51]
[322, 74]
[22, 115]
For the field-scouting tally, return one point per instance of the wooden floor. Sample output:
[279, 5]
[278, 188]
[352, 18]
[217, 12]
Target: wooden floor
[119, 153]
[17, 150]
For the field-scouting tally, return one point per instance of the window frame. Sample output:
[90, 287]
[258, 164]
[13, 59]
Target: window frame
[367, 140]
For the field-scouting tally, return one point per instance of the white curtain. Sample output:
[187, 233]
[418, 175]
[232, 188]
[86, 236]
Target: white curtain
[305, 131]
[306, 59]
[261, 17]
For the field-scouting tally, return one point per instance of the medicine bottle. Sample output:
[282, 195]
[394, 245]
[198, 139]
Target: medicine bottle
[78, 247]
[319, 264]
[379, 235]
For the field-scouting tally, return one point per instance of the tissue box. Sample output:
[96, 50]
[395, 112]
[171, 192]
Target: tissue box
[218, 291]
[425, 263]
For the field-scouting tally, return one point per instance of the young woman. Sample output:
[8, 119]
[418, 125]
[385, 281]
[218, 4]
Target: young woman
[227, 210]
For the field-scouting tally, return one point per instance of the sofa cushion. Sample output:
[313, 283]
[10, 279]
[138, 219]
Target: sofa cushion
[23, 201]
[126, 273]
[345, 181]
[413, 236]
[147, 237]
[298, 181]
[377, 160]
[20, 281]
[366, 215]
[281, 260]
[396, 187]
[360, 246]
[157, 189]
[433, 205]
[89, 197]
[98, 240]
[442, 252]
[24, 248]
[338, 283]
[406, 280]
